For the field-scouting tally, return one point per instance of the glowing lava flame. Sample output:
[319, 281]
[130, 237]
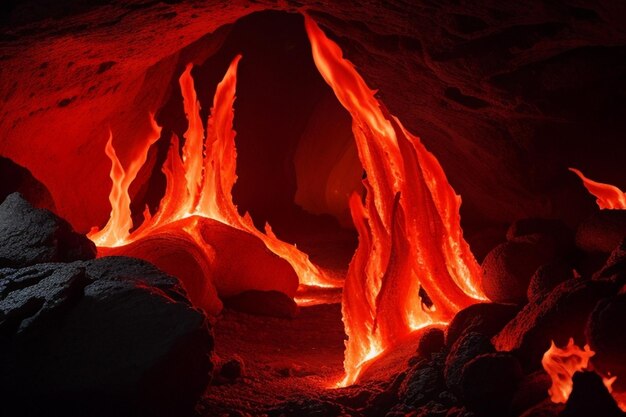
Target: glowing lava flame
[410, 236]
[198, 184]
[562, 364]
[607, 196]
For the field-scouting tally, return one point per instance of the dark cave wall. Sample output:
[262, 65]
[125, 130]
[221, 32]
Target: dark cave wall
[506, 95]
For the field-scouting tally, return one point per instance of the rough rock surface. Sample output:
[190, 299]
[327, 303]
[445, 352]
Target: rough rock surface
[432, 341]
[30, 236]
[489, 381]
[590, 397]
[508, 268]
[548, 276]
[605, 334]
[557, 316]
[19, 179]
[496, 87]
[602, 231]
[484, 318]
[423, 382]
[466, 348]
[113, 336]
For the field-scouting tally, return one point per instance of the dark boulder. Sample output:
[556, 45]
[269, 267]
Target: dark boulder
[466, 348]
[423, 382]
[113, 336]
[508, 268]
[590, 397]
[532, 390]
[615, 266]
[489, 381]
[548, 276]
[484, 318]
[602, 231]
[232, 369]
[18, 179]
[557, 316]
[29, 236]
[432, 341]
[606, 336]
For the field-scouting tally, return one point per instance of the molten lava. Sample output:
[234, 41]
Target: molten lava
[410, 236]
[607, 196]
[562, 364]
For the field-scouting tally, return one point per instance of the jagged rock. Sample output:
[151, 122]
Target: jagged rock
[112, 336]
[263, 303]
[30, 236]
[548, 276]
[488, 383]
[559, 315]
[484, 318]
[466, 348]
[508, 268]
[602, 231]
[23, 182]
[615, 266]
[432, 341]
[605, 334]
[423, 382]
[590, 397]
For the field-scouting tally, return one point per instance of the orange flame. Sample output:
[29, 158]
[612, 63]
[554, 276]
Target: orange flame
[198, 184]
[607, 196]
[562, 364]
[409, 226]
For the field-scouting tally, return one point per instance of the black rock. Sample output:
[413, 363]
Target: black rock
[423, 383]
[30, 236]
[466, 348]
[532, 390]
[615, 266]
[548, 276]
[590, 397]
[16, 178]
[484, 318]
[489, 381]
[113, 336]
[232, 369]
[602, 232]
[432, 341]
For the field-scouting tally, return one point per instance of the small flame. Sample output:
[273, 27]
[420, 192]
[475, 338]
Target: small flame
[607, 196]
[562, 363]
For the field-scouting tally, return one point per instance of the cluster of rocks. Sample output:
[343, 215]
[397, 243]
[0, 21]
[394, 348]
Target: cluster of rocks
[81, 336]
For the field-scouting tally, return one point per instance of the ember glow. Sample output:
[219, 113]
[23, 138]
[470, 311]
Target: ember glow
[410, 236]
[607, 196]
[562, 363]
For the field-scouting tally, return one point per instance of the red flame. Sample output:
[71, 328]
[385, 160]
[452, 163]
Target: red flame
[562, 364]
[410, 236]
[607, 196]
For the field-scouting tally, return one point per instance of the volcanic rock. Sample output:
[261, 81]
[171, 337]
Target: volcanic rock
[559, 315]
[615, 266]
[232, 369]
[602, 231]
[29, 236]
[484, 318]
[22, 181]
[548, 276]
[466, 348]
[590, 397]
[432, 341]
[113, 336]
[423, 383]
[532, 390]
[544, 409]
[508, 268]
[488, 383]
[606, 336]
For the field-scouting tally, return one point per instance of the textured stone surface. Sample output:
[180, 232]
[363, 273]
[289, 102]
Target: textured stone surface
[548, 276]
[112, 336]
[496, 89]
[484, 318]
[509, 267]
[18, 179]
[559, 315]
[30, 236]
[590, 397]
[489, 381]
[602, 231]
[466, 348]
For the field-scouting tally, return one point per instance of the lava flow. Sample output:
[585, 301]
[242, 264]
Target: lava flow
[562, 363]
[410, 238]
[607, 196]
